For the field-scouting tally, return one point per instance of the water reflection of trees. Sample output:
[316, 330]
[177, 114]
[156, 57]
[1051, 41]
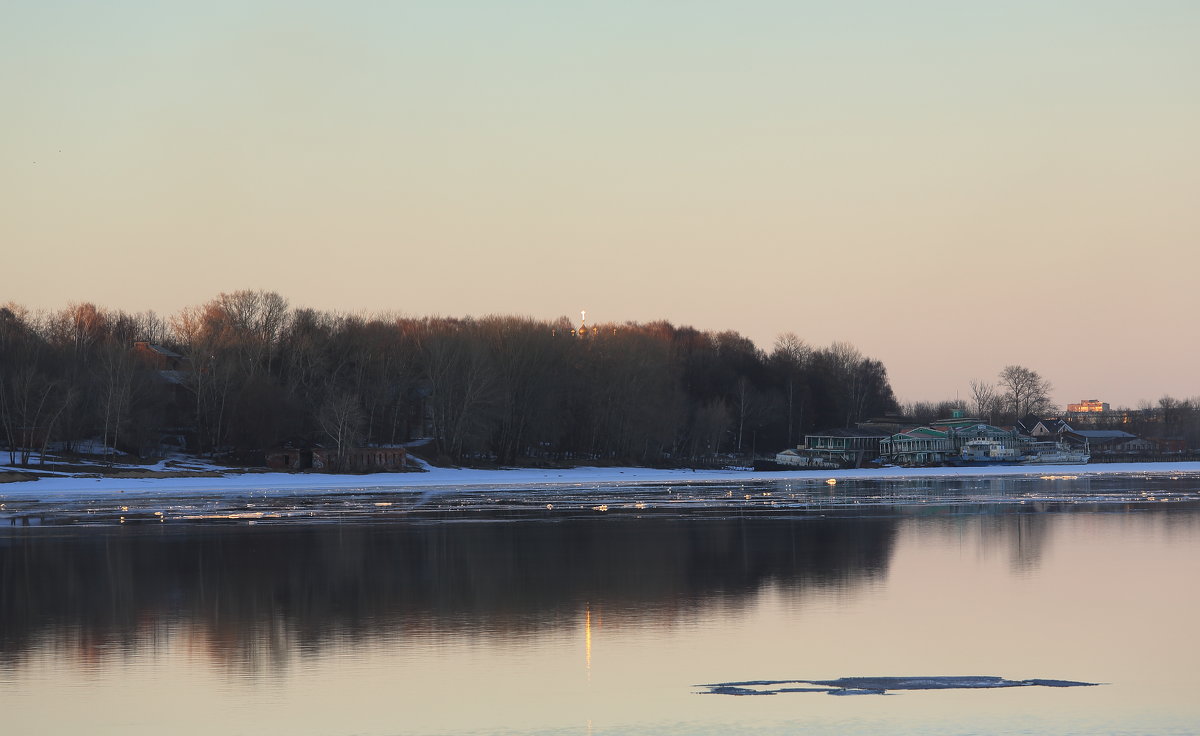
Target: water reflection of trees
[1026, 532]
[257, 593]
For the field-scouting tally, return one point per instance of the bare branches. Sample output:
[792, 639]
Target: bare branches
[244, 372]
[1025, 391]
[984, 399]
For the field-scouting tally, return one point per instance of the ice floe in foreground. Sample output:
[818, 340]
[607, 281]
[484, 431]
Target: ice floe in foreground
[877, 685]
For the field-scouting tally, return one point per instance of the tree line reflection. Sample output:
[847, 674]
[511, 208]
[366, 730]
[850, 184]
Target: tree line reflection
[259, 592]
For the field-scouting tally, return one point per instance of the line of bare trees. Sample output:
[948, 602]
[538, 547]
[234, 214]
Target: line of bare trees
[1167, 418]
[254, 371]
[1021, 392]
[1018, 393]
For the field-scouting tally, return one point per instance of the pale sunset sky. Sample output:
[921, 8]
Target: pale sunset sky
[951, 186]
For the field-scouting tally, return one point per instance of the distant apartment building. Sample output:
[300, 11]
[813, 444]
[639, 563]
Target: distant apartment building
[1087, 406]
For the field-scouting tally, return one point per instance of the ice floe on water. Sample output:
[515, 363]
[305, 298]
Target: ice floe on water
[877, 685]
[455, 494]
[435, 477]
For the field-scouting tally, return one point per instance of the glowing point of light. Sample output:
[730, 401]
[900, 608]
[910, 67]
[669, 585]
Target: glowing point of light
[832, 482]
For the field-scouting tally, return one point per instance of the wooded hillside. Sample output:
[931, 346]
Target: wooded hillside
[245, 372]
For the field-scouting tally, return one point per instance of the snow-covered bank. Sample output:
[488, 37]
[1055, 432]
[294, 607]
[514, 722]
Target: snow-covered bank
[299, 483]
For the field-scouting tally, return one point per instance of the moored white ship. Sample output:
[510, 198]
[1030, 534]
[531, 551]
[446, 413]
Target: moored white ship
[1055, 453]
[987, 452]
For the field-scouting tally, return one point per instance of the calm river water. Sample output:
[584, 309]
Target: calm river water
[501, 617]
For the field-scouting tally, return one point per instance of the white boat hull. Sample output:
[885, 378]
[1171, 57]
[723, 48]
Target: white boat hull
[1057, 458]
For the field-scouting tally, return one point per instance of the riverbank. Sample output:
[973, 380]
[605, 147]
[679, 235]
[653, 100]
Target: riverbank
[214, 480]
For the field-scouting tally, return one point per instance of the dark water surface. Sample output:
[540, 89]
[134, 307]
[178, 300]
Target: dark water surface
[461, 613]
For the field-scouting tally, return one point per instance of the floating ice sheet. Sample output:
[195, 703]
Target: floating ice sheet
[878, 685]
[278, 497]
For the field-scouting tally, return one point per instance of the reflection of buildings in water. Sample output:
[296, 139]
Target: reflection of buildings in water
[1023, 531]
[1000, 512]
[901, 491]
[1025, 535]
[999, 487]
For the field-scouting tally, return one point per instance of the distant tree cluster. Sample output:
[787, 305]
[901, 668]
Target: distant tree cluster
[1166, 419]
[254, 372]
[1021, 392]
[928, 412]
[1018, 392]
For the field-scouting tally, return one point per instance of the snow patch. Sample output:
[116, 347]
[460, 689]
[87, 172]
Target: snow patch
[459, 478]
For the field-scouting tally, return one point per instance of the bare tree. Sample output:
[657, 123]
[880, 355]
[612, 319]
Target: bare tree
[116, 392]
[212, 376]
[248, 323]
[791, 355]
[1025, 391]
[983, 399]
[846, 362]
[341, 418]
[926, 412]
[709, 427]
[750, 408]
[460, 383]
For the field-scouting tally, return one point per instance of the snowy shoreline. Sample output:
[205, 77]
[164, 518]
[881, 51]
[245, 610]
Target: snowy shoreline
[301, 483]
